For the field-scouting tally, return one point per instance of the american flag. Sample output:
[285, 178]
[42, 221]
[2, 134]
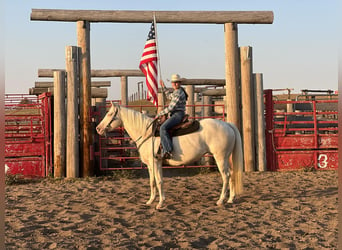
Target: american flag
[148, 65]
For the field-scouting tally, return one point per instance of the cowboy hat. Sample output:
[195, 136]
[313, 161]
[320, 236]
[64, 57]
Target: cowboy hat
[175, 78]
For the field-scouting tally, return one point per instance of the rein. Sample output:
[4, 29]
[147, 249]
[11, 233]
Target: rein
[136, 141]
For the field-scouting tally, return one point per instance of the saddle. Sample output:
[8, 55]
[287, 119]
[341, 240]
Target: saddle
[185, 127]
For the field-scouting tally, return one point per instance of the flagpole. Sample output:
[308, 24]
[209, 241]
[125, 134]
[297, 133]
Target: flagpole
[156, 36]
[158, 58]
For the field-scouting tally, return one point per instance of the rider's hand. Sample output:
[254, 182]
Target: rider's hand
[161, 82]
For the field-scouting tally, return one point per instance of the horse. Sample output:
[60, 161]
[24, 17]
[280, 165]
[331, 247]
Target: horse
[220, 138]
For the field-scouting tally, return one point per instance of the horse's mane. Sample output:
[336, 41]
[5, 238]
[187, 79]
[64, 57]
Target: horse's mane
[137, 118]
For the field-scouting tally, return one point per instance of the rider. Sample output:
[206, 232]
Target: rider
[176, 109]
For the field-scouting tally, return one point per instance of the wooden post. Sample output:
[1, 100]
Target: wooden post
[191, 108]
[260, 122]
[207, 109]
[233, 109]
[59, 135]
[207, 100]
[124, 91]
[71, 61]
[87, 152]
[247, 107]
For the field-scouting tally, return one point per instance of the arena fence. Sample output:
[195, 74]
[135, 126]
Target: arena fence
[301, 134]
[28, 149]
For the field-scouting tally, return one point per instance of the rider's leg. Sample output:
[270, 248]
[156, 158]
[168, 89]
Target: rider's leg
[165, 138]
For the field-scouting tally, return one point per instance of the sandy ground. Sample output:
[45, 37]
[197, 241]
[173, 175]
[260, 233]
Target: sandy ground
[293, 210]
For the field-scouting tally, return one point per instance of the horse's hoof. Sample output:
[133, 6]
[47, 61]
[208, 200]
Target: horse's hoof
[149, 202]
[230, 201]
[219, 203]
[159, 206]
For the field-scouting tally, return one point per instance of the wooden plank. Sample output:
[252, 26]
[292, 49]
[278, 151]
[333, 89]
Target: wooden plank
[214, 92]
[132, 16]
[93, 84]
[115, 73]
[95, 92]
[218, 82]
[98, 72]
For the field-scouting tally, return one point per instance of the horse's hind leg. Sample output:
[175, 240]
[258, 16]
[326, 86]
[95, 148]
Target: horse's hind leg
[231, 182]
[223, 167]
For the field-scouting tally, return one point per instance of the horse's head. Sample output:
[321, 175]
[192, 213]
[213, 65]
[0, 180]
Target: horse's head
[111, 120]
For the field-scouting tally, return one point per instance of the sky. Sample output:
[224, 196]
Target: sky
[299, 50]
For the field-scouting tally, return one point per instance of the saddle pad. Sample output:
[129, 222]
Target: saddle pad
[193, 127]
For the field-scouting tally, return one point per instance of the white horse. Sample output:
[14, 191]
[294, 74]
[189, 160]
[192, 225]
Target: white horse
[217, 137]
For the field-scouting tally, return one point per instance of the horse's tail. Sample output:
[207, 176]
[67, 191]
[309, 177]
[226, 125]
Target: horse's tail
[237, 156]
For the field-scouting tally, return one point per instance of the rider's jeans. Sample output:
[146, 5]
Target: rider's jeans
[165, 138]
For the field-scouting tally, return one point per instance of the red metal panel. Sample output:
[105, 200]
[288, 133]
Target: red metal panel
[305, 141]
[328, 141]
[301, 139]
[28, 135]
[24, 149]
[299, 160]
[26, 167]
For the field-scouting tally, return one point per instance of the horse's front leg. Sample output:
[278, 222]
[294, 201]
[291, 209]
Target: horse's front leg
[158, 173]
[152, 185]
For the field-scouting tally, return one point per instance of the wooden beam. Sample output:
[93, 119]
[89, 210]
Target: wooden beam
[93, 84]
[115, 73]
[219, 82]
[214, 92]
[132, 16]
[95, 92]
[98, 72]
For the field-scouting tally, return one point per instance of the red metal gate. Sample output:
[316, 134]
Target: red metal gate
[28, 135]
[117, 151]
[301, 134]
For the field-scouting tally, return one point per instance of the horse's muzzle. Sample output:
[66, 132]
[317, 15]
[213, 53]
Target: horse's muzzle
[100, 131]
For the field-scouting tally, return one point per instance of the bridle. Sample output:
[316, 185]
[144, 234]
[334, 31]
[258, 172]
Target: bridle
[136, 141]
[116, 112]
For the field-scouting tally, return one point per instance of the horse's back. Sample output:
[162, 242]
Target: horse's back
[217, 133]
[216, 126]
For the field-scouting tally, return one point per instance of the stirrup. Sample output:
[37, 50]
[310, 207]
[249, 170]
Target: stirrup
[167, 155]
[158, 156]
